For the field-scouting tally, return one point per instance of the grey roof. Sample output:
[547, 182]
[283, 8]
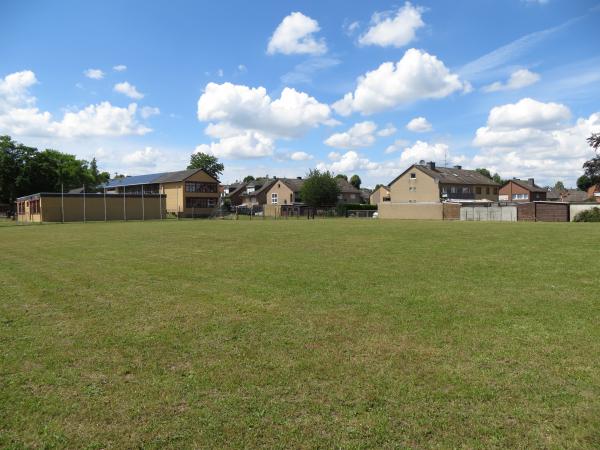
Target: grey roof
[153, 178]
[451, 175]
[574, 195]
[525, 185]
[295, 184]
[346, 187]
[264, 187]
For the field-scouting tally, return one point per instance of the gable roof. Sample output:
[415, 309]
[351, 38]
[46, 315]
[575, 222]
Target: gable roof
[525, 185]
[264, 187]
[154, 178]
[451, 175]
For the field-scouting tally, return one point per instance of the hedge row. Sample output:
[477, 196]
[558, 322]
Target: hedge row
[342, 208]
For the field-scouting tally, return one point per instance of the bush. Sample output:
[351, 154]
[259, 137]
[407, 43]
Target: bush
[589, 215]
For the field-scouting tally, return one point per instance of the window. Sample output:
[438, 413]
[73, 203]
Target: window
[21, 208]
[34, 206]
[466, 190]
[274, 198]
[193, 186]
[496, 191]
[291, 198]
[478, 190]
[413, 175]
[196, 202]
[453, 189]
[520, 196]
[487, 190]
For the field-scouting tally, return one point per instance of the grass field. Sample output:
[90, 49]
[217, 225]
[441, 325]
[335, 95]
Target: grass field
[300, 334]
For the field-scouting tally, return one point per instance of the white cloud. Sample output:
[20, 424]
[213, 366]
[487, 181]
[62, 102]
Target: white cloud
[418, 75]
[220, 73]
[244, 145]
[393, 29]
[304, 72]
[249, 117]
[419, 125]
[349, 161]
[295, 35]
[95, 74]
[334, 156]
[531, 138]
[519, 79]
[120, 68]
[398, 145]
[300, 156]
[142, 158]
[359, 135]
[148, 111]
[424, 150]
[528, 113]
[129, 90]
[14, 90]
[242, 68]
[387, 131]
[20, 116]
[350, 27]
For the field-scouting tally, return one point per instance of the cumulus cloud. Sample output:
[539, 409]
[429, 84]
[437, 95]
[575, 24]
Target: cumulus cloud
[517, 80]
[424, 150]
[129, 90]
[300, 156]
[359, 135]
[296, 35]
[398, 145]
[534, 138]
[94, 74]
[395, 29]
[20, 116]
[388, 130]
[418, 75]
[252, 117]
[120, 68]
[142, 158]
[149, 111]
[349, 161]
[419, 125]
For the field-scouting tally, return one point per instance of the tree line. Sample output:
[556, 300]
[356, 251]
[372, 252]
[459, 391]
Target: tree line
[26, 170]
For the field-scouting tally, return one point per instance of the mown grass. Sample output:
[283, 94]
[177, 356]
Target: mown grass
[300, 334]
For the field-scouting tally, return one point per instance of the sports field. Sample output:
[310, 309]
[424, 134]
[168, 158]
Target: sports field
[300, 334]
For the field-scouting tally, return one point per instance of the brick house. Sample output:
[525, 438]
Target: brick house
[522, 191]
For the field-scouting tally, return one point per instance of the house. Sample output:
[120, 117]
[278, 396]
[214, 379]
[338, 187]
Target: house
[381, 194]
[348, 193]
[567, 195]
[233, 192]
[427, 183]
[287, 191]
[365, 195]
[255, 192]
[594, 192]
[189, 193]
[522, 191]
[81, 207]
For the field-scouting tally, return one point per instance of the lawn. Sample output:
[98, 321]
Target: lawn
[300, 334]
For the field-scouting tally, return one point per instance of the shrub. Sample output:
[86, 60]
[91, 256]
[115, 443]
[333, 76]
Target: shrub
[589, 215]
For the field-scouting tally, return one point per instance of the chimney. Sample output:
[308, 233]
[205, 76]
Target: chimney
[530, 181]
[458, 167]
[431, 165]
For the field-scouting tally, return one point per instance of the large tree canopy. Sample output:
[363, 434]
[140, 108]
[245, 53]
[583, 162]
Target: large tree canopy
[320, 189]
[209, 163]
[355, 181]
[592, 167]
[26, 170]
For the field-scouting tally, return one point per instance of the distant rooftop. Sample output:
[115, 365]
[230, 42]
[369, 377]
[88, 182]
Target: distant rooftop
[151, 178]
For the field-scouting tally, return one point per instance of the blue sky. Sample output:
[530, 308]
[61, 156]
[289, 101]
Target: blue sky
[280, 87]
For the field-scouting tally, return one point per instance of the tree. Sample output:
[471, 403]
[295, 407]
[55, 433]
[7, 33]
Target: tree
[584, 183]
[210, 164]
[320, 189]
[483, 171]
[249, 178]
[355, 181]
[377, 186]
[342, 176]
[559, 186]
[594, 141]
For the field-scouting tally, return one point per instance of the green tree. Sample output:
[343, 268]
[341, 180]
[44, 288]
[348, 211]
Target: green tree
[498, 179]
[594, 141]
[584, 183]
[320, 189]
[559, 186]
[342, 176]
[483, 171]
[249, 178]
[210, 164]
[355, 181]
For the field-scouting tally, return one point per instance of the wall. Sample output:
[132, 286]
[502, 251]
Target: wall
[285, 195]
[543, 212]
[491, 213]
[451, 211]
[576, 208]
[377, 197]
[116, 207]
[429, 211]
[427, 189]
[203, 178]
[174, 193]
